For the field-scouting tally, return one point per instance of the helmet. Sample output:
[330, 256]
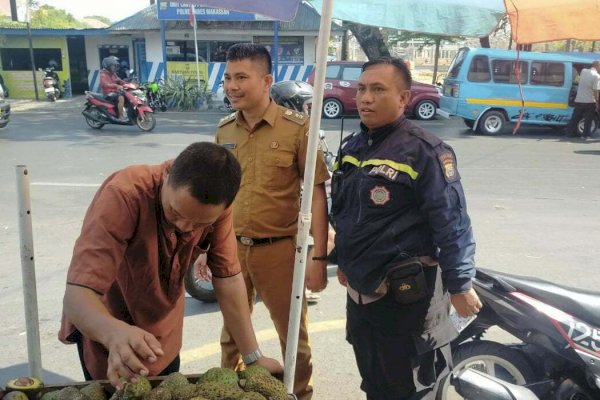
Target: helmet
[108, 61]
[292, 94]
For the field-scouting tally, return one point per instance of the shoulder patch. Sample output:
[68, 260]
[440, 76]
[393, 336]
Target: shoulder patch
[447, 162]
[295, 116]
[227, 119]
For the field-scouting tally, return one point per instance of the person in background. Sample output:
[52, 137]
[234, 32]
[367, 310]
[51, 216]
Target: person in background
[403, 242]
[270, 143]
[124, 301]
[586, 101]
[111, 84]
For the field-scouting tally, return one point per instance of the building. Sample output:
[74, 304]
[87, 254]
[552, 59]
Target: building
[150, 46]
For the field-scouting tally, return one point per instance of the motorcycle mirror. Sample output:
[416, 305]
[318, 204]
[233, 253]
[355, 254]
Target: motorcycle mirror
[130, 71]
[321, 133]
[473, 384]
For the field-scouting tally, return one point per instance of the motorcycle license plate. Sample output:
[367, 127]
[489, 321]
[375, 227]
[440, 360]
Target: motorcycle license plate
[460, 323]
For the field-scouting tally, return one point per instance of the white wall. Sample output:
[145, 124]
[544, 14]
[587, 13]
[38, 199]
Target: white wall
[153, 47]
[92, 44]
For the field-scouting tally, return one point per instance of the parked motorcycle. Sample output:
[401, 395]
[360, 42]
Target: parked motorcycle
[51, 84]
[156, 100]
[558, 356]
[99, 111]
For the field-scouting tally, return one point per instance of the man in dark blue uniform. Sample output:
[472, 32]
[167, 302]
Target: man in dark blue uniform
[404, 243]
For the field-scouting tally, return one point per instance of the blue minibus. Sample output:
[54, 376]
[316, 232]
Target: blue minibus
[482, 87]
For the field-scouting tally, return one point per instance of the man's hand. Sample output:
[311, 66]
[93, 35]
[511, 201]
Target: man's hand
[316, 273]
[128, 348]
[271, 364]
[201, 270]
[466, 304]
[341, 277]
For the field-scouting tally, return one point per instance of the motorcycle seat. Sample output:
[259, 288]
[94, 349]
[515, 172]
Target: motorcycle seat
[579, 303]
[98, 96]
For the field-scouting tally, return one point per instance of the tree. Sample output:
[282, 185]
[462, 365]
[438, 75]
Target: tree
[370, 39]
[51, 17]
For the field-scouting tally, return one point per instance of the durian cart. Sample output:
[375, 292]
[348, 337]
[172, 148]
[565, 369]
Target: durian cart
[254, 383]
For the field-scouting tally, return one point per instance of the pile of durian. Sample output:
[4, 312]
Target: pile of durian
[254, 383]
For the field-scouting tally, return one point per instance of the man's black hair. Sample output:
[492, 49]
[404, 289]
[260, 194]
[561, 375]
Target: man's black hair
[397, 63]
[210, 171]
[254, 52]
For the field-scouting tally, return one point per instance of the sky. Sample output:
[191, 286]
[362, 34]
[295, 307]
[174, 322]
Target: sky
[115, 10]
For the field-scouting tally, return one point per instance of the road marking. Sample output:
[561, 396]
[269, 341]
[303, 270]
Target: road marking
[65, 184]
[264, 335]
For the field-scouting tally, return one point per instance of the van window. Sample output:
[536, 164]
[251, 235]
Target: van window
[332, 71]
[351, 73]
[547, 73]
[479, 71]
[504, 71]
[458, 61]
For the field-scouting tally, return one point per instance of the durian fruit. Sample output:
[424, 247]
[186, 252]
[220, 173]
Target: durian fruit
[253, 370]
[137, 390]
[69, 393]
[93, 391]
[252, 396]
[26, 384]
[267, 385]
[15, 395]
[219, 391]
[183, 392]
[53, 395]
[159, 393]
[173, 381]
[221, 375]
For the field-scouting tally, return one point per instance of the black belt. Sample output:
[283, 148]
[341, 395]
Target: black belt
[248, 241]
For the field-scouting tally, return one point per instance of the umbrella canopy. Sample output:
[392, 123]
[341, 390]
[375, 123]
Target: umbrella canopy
[534, 21]
[474, 18]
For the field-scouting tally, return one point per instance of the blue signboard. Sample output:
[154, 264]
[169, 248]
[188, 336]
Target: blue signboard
[174, 10]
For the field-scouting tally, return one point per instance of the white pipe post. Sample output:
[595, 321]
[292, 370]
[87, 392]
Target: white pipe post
[34, 352]
[305, 215]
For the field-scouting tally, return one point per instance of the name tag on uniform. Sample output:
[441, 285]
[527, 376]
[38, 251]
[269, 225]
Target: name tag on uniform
[385, 171]
[229, 146]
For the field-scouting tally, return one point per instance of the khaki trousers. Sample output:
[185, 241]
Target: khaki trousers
[268, 272]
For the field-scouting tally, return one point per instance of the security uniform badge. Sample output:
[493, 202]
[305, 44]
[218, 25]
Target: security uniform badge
[380, 195]
[448, 165]
[227, 119]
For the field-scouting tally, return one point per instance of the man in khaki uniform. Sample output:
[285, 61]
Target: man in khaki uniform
[270, 143]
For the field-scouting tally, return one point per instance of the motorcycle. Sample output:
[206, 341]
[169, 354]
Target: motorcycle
[99, 111]
[558, 356]
[51, 84]
[154, 95]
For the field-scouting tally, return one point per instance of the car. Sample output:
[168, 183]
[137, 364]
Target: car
[4, 109]
[341, 82]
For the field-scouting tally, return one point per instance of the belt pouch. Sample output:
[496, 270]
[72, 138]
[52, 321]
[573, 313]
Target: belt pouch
[407, 282]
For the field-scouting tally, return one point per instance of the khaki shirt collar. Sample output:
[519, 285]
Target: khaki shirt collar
[269, 116]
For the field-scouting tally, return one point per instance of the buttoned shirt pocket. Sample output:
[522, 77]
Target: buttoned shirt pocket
[280, 169]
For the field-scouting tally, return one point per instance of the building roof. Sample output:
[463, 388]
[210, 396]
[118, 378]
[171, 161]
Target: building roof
[307, 20]
[54, 32]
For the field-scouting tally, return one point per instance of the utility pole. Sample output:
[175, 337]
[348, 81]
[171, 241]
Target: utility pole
[27, 18]
[13, 10]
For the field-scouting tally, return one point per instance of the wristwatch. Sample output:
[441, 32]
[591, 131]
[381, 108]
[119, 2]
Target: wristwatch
[252, 357]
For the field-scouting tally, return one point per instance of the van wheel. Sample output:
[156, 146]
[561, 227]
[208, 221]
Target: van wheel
[492, 123]
[332, 108]
[425, 110]
[469, 123]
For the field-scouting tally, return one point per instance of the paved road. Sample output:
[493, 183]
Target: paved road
[534, 199]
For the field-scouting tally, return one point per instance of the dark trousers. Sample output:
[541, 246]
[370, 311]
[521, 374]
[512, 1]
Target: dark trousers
[383, 337]
[173, 367]
[582, 110]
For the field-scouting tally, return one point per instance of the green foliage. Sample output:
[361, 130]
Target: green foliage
[55, 18]
[184, 94]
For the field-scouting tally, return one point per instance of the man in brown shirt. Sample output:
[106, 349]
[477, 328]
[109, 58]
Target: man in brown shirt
[270, 143]
[124, 301]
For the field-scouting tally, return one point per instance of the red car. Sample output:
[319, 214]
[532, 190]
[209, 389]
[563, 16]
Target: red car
[341, 82]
